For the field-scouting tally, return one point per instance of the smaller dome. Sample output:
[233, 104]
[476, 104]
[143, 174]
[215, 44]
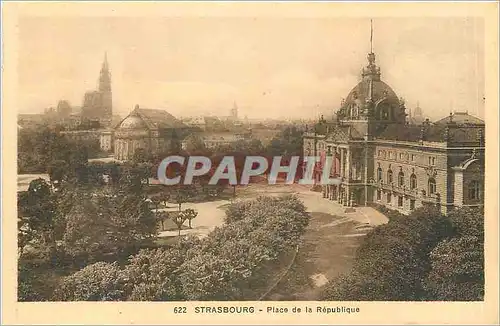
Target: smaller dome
[133, 122]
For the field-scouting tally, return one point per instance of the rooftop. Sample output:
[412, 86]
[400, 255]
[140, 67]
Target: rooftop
[461, 118]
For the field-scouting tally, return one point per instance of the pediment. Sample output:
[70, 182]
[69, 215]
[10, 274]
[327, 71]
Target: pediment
[337, 135]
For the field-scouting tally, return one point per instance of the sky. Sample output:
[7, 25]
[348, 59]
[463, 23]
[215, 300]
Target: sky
[271, 67]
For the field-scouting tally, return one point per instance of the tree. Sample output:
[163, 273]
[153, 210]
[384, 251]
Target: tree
[36, 210]
[468, 221]
[190, 215]
[156, 200]
[57, 171]
[458, 262]
[108, 222]
[288, 143]
[183, 193]
[194, 144]
[179, 218]
[393, 260]
[208, 277]
[153, 274]
[457, 270]
[164, 196]
[97, 282]
[86, 235]
[140, 156]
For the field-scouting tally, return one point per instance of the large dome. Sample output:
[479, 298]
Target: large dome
[379, 90]
[133, 122]
[371, 98]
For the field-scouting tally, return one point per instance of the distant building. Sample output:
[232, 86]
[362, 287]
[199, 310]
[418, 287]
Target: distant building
[80, 135]
[380, 159]
[30, 121]
[461, 118]
[106, 140]
[103, 136]
[64, 109]
[153, 131]
[196, 122]
[216, 139]
[98, 104]
[264, 135]
[417, 116]
[234, 113]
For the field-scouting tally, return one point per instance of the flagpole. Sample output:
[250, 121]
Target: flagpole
[371, 35]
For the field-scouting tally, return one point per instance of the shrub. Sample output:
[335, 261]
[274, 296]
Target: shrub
[97, 282]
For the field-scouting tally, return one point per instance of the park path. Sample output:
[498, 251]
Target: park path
[211, 214]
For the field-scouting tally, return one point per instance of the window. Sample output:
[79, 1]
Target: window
[388, 198]
[389, 176]
[413, 157]
[401, 156]
[379, 153]
[473, 190]
[412, 204]
[432, 160]
[379, 195]
[379, 174]
[413, 181]
[400, 201]
[432, 186]
[401, 179]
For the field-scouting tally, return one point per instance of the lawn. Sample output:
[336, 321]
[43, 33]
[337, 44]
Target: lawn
[328, 249]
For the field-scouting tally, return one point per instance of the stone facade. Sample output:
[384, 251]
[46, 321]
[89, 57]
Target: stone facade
[153, 131]
[382, 159]
[104, 136]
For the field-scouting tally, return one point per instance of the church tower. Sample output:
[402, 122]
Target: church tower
[98, 104]
[105, 76]
[105, 91]
[234, 112]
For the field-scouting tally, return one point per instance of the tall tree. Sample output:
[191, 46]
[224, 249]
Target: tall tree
[190, 215]
[36, 212]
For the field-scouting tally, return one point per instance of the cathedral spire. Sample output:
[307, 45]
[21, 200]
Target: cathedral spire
[105, 62]
[105, 76]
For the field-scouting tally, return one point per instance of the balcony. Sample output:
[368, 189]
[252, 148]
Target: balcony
[430, 198]
[406, 191]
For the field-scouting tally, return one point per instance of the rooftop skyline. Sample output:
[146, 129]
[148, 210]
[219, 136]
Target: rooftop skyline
[271, 67]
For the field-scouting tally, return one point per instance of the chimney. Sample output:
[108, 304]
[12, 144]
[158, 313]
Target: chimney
[424, 129]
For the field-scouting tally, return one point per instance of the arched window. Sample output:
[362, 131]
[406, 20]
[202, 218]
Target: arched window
[473, 190]
[413, 181]
[389, 176]
[401, 179]
[432, 186]
[379, 174]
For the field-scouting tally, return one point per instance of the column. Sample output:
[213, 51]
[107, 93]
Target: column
[341, 162]
[348, 164]
[334, 156]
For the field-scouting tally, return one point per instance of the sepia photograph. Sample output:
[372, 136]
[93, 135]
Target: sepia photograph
[326, 160]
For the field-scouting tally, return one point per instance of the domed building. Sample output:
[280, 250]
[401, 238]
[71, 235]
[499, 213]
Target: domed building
[381, 159]
[417, 116]
[153, 131]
